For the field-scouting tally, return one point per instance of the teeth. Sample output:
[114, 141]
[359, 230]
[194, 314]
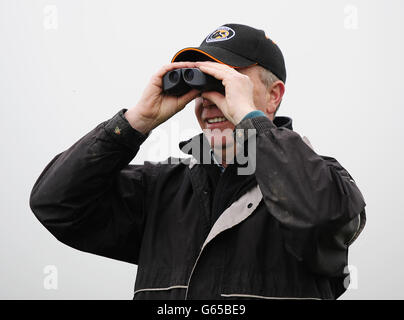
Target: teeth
[217, 119]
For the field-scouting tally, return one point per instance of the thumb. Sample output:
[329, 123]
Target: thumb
[188, 97]
[215, 97]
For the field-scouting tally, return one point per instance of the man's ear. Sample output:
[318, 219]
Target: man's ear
[275, 94]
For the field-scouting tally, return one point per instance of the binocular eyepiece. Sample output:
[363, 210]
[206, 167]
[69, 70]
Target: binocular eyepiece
[179, 81]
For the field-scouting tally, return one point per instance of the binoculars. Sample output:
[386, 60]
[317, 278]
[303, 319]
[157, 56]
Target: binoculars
[179, 81]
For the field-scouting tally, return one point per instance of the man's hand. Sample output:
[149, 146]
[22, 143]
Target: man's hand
[239, 99]
[155, 107]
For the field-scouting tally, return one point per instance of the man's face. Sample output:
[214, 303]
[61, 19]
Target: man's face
[211, 117]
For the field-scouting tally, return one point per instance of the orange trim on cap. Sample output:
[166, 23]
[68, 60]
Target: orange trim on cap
[206, 54]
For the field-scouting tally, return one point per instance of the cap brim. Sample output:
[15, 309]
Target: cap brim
[212, 53]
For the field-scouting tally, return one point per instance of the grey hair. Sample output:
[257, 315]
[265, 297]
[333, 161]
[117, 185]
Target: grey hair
[268, 78]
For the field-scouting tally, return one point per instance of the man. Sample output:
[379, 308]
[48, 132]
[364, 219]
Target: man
[199, 229]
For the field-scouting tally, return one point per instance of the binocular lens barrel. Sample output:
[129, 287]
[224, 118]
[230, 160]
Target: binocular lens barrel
[174, 77]
[188, 74]
[179, 81]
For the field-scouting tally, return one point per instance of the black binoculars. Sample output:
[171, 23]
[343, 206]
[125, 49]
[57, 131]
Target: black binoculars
[179, 81]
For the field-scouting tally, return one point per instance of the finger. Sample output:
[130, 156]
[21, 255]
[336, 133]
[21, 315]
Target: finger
[213, 63]
[188, 97]
[214, 72]
[218, 71]
[216, 65]
[215, 97]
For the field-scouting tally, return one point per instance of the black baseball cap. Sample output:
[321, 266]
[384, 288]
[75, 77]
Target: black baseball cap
[237, 46]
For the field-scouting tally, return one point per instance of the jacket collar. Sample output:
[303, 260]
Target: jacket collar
[283, 122]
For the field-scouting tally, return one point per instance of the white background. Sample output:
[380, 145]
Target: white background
[59, 80]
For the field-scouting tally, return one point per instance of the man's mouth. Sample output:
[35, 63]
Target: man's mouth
[216, 120]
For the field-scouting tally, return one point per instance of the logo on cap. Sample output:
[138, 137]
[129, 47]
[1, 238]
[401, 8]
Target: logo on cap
[221, 34]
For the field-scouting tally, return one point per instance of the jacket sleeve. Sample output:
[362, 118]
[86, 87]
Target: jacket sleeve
[315, 200]
[88, 196]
